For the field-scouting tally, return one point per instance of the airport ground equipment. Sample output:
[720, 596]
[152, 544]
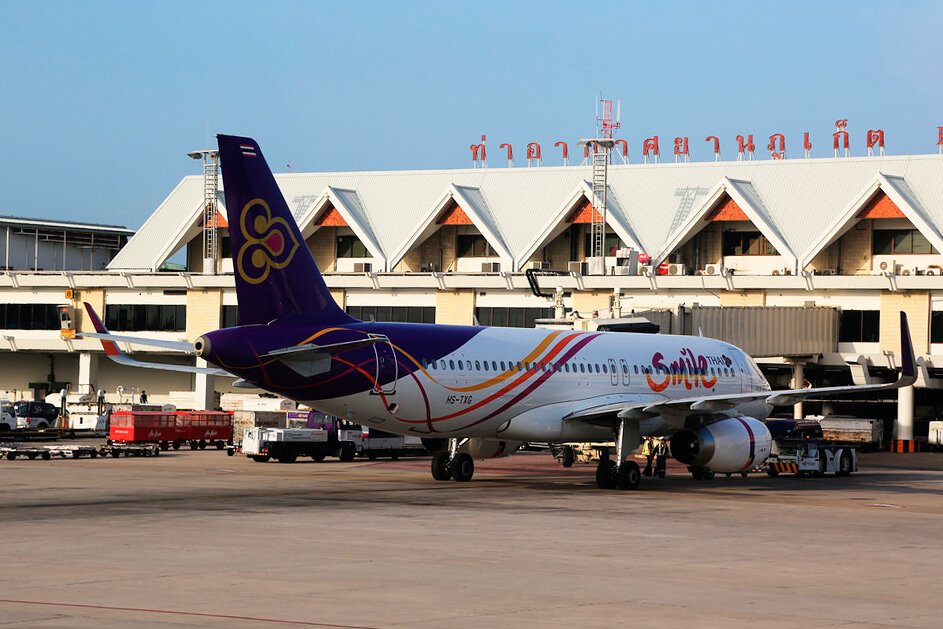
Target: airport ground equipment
[284, 445]
[7, 417]
[138, 427]
[799, 448]
[203, 428]
[570, 453]
[377, 443]
[35, 415]
[935, 434]
[11, 451]
[862, 432]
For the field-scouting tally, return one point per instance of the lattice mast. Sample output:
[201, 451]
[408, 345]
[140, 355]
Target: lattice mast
[210, 211]
[605, 125]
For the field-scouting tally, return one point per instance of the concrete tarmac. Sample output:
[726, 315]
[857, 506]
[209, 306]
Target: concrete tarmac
[199, 539]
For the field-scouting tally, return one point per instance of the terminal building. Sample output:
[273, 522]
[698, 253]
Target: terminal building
[847, 241]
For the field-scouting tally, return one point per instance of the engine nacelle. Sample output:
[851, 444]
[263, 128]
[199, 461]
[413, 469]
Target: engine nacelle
[487, 449]
[734, 444]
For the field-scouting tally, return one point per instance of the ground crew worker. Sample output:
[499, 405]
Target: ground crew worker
[661, 458]
[143, 397]
[649, 453]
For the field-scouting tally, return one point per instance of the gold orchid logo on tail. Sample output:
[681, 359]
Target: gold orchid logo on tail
[269, 244]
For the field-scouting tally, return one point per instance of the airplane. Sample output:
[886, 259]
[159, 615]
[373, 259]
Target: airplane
[474, 392]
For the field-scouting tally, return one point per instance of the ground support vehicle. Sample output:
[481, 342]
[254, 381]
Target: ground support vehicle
[142, 427]
[284, 445]
[570, 453]
[202, 428]
[7, 417]
[798, 448]
[377, 443]
[13, 451]
[35, 415]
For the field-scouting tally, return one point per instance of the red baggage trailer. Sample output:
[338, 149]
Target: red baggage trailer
[205, 427]
[144, 427]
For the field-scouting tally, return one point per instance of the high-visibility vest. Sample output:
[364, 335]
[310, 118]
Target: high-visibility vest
[647, 448]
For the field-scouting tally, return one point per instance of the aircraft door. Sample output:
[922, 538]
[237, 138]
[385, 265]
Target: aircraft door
[740, 370]
[387, 369]
[613, 373]
[625, 371]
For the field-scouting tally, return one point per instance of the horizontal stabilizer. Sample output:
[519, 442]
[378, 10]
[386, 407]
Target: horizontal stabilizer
[331, 349]
[178, 346]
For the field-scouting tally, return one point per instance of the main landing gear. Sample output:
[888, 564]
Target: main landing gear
[620, 473]
[453, 464]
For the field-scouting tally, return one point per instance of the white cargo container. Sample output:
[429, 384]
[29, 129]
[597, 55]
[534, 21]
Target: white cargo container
[935, 436]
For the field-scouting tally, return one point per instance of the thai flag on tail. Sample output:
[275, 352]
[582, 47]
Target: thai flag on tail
[247, 150]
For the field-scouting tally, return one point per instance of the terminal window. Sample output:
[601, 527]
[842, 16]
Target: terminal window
[29, 317]
[512, 317]
[886, 242]
[351, 247]
[146, 317]
[746, 244]
[474, 246]
[612, 244]
[229, 317]
[936, 327]
[393, 314]
[859, 326]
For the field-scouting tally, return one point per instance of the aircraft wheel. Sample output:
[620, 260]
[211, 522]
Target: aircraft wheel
[605, 474]
[463, 467]
[441, 470]
[568, 456]
[629, 475]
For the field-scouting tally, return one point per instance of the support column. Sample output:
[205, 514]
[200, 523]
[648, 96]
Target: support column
[798, 382]
[204, 396]
[88, 371]
[904, 427]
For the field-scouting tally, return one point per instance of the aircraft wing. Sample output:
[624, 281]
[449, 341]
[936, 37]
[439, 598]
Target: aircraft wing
[678, 409]
[110, 341]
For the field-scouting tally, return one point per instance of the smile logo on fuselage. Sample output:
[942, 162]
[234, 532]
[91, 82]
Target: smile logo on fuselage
[269, 243]
[688, 370]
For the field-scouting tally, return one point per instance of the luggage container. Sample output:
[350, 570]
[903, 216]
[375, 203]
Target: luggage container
[145, 427]
[202, 428]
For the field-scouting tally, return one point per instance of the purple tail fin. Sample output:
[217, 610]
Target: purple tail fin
[275, 271]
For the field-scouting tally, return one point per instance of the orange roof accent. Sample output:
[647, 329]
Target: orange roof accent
[727, 210]
[330, 218]
[881, 206]
[454, 215]
[584, 213]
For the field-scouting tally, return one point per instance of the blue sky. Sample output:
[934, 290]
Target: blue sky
[101, 101]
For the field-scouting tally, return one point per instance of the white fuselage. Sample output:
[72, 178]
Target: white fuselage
[514, 384]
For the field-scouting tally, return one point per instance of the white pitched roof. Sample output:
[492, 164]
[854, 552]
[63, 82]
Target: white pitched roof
[793, 201]
[748, 199]
[897, 189]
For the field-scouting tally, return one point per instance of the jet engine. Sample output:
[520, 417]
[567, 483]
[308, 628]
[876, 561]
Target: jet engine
[486, 449]
[733, 444]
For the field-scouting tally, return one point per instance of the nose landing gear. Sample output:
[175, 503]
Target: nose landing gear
[453, 464]
[620, 473]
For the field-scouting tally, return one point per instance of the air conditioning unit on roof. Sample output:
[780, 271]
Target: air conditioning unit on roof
[578, 266]
[676, 269]
[712, 269]
[888, 266]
